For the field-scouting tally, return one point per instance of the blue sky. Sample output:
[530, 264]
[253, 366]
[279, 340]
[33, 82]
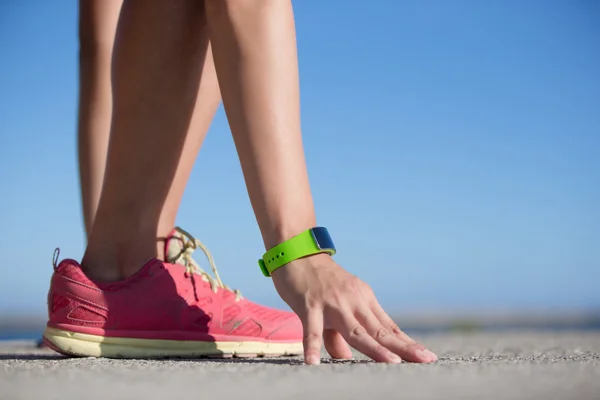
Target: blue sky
[453, 149]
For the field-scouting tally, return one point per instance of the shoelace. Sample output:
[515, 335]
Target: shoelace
[190, 244]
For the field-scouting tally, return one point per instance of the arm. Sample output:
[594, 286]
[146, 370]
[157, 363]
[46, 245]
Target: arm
[254, 47]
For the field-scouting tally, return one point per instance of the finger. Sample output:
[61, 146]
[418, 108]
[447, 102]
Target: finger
[336, 346]
[388, 322]
[418, 352]
[313, 336]
[357, 336]
[384, 337]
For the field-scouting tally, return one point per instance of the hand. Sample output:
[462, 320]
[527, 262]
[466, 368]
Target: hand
[339, 309]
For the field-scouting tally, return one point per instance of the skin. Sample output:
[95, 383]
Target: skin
[156, 84]
[97, 28]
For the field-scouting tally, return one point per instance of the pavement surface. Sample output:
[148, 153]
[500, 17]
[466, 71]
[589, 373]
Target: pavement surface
[500, 365]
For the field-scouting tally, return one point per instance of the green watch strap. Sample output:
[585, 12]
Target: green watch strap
[312, 241]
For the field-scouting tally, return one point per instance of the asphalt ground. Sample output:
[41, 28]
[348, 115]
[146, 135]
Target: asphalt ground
[479, 365]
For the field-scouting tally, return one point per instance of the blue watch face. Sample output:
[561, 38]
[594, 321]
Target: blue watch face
[322, 238]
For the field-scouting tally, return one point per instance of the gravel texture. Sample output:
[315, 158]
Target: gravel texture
[501, 365]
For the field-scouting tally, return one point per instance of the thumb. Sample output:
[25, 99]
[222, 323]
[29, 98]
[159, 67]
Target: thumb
[313, 336]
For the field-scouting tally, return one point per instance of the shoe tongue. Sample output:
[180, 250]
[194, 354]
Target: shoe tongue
[173, 246]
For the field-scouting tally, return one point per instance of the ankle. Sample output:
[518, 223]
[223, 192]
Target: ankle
[100, 270]
[108, 268]
[113, 257]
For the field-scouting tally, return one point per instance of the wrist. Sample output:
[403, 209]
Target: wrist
[277, 233]
[302, 265]
[309, 242]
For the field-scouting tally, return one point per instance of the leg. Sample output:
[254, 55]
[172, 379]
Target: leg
[97, 25]
[207, 102]
[156, 84]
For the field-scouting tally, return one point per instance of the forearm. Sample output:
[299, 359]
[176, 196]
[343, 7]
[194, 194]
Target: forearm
[254, 47]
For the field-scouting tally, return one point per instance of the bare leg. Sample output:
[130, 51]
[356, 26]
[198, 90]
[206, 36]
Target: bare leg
[156, 84]
[207, 102]
[97, 26]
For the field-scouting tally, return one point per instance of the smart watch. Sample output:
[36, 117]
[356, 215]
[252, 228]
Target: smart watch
[312, 241]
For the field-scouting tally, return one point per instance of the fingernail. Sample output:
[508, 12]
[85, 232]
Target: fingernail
[313, 360]
[427, 355]
[434, 356]
[395, 359]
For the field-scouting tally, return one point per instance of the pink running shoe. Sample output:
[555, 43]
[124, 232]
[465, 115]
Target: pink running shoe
[171, 309]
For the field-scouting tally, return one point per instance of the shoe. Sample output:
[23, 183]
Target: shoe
[166, 309]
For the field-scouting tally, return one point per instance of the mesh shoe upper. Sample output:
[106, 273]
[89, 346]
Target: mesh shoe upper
[171, 301]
